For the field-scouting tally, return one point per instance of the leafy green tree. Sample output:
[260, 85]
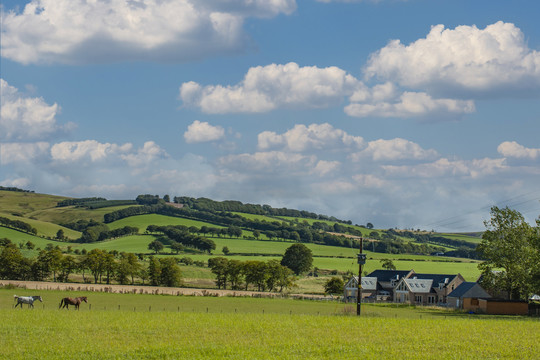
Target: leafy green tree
[95, 262]
[218, 266]
[156, 246]
[122, 270]
[234, 273]
[255, 272]
[171, 275]
[154, 271]
[177, 247]
[109, 265]
[68, 265]
[334, 285]
[167, 198]
[225, 250]
[511, 252]
[10, 260]
[50, 260]
[298, 258]
[279, 276]
[256, 234]
[60, 234]
[388, 264]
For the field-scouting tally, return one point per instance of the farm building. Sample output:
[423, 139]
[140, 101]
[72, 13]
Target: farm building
[378, 285]
[503, 307]
[369, 288]
[426, 289]
[467, 296]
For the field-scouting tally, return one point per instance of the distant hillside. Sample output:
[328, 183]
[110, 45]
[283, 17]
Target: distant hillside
[48, 214]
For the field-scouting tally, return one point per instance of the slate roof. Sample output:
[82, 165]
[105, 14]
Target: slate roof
[437, 278]
[368, 283]
[419, 285]
[469, 289]
[388, 275]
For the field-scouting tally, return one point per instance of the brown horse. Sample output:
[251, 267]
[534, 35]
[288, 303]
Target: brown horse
[70, 301]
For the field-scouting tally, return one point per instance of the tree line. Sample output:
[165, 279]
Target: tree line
[205, 204]
[102, 266]
[237, 274]
[18, 225]
[179, 234]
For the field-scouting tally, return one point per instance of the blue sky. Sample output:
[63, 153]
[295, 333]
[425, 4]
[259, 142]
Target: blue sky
[410, 114]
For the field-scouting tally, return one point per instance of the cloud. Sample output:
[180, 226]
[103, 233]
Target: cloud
[26, 118]
[73, 151]
[514, 150]
[22, 152]
[444, 167]
[370, 181]
[412, 104]
[324, 167]
[315, 136]
[266, 88]
[466, 59]
[79, 31]
[268, 162]
[203, 132]
[392, 150]
[143, 156]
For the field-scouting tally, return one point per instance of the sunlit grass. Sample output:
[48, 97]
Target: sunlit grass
[194, 334]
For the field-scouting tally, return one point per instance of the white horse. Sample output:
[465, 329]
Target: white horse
[26, 300]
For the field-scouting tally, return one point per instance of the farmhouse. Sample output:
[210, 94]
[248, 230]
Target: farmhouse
[369, 288]
[467, 296]
[378, 285]
[426, 289]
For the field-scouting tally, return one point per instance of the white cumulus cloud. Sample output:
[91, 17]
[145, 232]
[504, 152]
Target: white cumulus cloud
[203, 132]
[73, 151]
[514, 150]
[478, 61]
[22, 152]
[394, 149]
[444, 167]
[80, 31]
[412, 104]
[24, 117]
[315, 136]
[266, 88]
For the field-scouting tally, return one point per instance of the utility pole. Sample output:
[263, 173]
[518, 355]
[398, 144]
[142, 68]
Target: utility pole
[361, 262]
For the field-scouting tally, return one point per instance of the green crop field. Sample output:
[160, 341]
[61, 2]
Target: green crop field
[114, 326]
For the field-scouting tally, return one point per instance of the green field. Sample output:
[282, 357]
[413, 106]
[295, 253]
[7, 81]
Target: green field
[325, 257]
[114, 326]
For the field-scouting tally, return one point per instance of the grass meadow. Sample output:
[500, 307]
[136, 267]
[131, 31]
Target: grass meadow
[182, 327]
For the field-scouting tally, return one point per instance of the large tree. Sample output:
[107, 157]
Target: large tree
[298, 258]
[511, 250]
[334, 285]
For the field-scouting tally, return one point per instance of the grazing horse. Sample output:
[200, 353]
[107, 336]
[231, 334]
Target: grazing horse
[26, 300]
[70, 301]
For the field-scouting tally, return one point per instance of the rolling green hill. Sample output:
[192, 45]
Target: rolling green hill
[40, 212]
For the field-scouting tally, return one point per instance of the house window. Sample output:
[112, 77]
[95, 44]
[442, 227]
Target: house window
[418, 299]
[431, 299]
[474, 302]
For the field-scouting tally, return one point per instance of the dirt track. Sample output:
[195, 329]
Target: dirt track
[131, 289]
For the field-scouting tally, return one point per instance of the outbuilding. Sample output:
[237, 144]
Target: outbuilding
[467, 296]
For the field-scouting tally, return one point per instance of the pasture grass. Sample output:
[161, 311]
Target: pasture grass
[22, 203]
[312, 330]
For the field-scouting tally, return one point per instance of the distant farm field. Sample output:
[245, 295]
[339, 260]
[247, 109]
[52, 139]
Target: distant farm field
[179, 327]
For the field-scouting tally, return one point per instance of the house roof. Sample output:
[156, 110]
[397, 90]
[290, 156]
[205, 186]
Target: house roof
[437, 278]
[469, 289]
[389, 275]
[419, 285]
[368, 282]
